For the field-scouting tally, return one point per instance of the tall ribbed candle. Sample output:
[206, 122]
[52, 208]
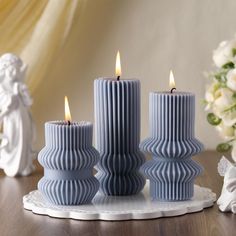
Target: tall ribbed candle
[172, 144]
[68, 159]
[117, 132]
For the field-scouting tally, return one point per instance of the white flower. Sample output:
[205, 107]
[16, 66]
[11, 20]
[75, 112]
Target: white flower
[210, 94]
[229, 118]
[222, 104]
[223, 99]
[231, 79]
[226, 132]
[223, 54]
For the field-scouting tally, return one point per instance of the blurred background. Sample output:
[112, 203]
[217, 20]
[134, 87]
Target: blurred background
[69, 43]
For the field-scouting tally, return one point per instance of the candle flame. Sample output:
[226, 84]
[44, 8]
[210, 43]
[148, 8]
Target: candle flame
[171, 80]
[118, 65]
[67, 110]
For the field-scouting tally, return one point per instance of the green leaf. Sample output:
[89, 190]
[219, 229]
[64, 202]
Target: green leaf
[213, 119]
[234, 95]
[204, 102]
[234, 52]
[223, 147]
[228, 65]
[220, 76]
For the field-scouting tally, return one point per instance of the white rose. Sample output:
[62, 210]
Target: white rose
[210, 94]
[226, 132]
[223, 54]
[231, 79]
[229, 118]
[223, 99]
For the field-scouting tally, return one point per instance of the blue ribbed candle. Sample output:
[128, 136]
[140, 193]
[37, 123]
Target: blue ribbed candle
[172, 144]
[117, 127]
[68, 159]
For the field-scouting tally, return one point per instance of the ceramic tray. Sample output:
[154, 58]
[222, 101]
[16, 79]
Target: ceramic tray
[114, 208]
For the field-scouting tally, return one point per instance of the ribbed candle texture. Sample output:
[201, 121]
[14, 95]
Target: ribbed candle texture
[172, 144]
[68, 159]
[117, 132]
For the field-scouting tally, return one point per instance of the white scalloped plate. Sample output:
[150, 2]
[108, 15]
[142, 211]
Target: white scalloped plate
[121, 208]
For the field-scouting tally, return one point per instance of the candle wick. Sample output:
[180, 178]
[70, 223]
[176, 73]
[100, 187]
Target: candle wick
[172, 90]
[118, 78]
[68, 122]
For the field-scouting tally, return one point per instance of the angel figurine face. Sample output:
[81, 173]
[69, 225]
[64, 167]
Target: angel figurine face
[12, 68]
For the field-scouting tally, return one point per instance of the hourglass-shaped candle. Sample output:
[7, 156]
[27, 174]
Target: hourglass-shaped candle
[172, 144]
[68, 159]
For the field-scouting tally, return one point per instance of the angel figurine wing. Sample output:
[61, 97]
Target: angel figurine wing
[223, 166]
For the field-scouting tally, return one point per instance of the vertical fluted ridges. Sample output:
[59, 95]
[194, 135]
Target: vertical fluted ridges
[117, 127]
[59, 134]
[68, 159]
[171, 111]
[171, 143]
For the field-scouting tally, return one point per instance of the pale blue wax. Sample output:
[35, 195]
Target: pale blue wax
[117, 135]
[68, 159]
[172, 144]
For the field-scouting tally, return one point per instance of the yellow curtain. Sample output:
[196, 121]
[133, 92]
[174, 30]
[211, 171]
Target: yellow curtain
[36, 30]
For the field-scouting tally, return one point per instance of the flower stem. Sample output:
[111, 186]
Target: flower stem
[230, 108]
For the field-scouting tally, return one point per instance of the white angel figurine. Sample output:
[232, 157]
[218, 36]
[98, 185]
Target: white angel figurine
[16, 153]
[227, 199]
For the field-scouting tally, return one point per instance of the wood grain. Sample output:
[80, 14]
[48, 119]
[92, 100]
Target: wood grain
[14, 220]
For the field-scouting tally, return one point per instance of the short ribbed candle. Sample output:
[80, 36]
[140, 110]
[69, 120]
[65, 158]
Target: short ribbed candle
[68, 159]
[117, 132]
[172, 144]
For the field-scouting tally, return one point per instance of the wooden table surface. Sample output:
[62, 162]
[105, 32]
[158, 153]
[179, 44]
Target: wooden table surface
[14, 220]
